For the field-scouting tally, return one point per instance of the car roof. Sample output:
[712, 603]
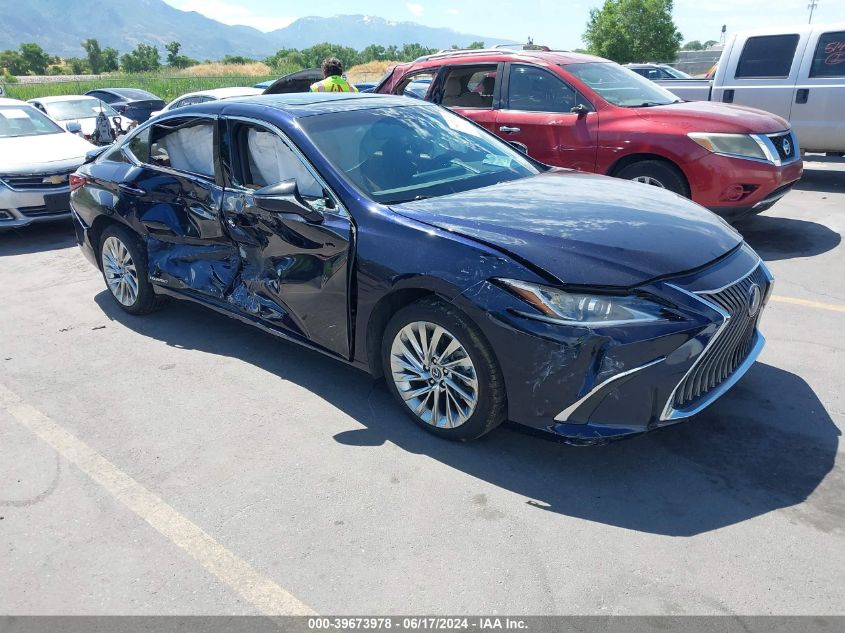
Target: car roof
[493, 54]
[126, 93]
[223, 93]
[5, 101]
[302, 104]
[57, 98]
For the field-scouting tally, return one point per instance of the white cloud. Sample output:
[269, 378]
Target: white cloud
[415, 9]
[235, 14]
[452, 11]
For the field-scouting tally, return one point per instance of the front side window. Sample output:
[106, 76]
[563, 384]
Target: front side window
[185, 145]
[469, 87]
[24, 120]
[401, 154]
[767, 57]
[533, 89]
[829, 58]
[263, 158]
[621, 86]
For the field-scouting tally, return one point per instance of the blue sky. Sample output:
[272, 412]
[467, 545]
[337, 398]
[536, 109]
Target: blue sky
[558, 23]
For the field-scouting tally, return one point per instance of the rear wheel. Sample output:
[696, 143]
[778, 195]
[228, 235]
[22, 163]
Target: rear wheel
[442, 371]
[124, 265]
[656, 173]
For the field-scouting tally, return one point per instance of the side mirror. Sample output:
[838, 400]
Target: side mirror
[284, 197]
[581, 110]
[73, 127]
[520, 147]
[92, 155]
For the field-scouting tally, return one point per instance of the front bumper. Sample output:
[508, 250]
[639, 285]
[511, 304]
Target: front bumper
[592, 385]
[22, 208]
[713, 175]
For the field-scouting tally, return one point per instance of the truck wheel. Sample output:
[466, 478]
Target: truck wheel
[657, 173]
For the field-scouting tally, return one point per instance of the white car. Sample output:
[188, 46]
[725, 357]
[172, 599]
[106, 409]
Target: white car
[69, 109]
[796, 72]
[209, 95]
[37, 157]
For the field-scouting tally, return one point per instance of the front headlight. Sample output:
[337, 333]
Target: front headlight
[740, 145]
[583, 308]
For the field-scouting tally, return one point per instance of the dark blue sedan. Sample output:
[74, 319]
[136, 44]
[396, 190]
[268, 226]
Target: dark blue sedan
[405, 240]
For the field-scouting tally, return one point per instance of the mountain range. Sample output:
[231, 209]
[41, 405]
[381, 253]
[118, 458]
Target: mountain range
[59, 27]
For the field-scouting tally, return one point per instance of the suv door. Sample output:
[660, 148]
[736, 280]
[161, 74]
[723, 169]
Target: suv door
[471, 90]
[173, 195]
[295, 271]
[537, 111]
[820, 92]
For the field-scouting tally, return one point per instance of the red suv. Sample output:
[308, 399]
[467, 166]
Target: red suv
[591, 114]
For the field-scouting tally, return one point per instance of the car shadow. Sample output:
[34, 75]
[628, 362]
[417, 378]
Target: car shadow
[36, 238]
[821, 180]
[766, 445]
[775, 238]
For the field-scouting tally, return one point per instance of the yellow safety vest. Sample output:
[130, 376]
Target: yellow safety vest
[335, 83]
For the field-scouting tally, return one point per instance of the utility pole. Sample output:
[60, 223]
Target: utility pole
[812, 7]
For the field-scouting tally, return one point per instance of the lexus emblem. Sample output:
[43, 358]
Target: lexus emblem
[787, 146]
[755, 300]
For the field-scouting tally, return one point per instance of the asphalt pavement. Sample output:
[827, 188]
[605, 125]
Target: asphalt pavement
[183, 463]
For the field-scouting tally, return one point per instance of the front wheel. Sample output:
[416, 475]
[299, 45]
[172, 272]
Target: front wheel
[442, 371]
[656, 173]
[124, 267]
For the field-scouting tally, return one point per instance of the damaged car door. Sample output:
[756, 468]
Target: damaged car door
[294, 237]
[175, 197]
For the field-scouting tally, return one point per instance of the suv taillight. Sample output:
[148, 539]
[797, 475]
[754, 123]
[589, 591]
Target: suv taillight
[76, 181]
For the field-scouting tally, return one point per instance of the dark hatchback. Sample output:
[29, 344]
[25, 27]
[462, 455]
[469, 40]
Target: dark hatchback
[405, 240]
[132, 103]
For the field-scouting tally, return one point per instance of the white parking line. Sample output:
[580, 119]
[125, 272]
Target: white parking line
[239, 575]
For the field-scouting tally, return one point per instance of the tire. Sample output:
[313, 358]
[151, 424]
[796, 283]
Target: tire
[463, 392]
[657, 173]
[123, 261]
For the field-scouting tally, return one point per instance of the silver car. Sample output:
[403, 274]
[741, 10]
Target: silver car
[37, 157]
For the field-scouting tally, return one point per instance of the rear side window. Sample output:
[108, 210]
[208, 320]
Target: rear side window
[767, 57]
[186, 145]
[469, 87]
[139, 146]
[829, 58]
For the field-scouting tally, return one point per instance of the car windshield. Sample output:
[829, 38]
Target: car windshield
[621, 86]
[677, 74]
[78, 109]
[24, 120]
[400, 154]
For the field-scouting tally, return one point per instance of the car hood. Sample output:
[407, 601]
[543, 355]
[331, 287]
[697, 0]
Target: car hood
[584, 229]
[24, 154]
[706, 116]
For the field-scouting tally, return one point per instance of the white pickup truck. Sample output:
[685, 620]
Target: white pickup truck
[797, 73]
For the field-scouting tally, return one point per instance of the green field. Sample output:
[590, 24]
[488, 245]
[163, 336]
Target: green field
[168, 88]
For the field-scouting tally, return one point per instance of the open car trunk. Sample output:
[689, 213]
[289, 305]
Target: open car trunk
[295, 82]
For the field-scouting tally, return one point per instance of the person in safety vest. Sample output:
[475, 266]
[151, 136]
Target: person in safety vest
[334, 81]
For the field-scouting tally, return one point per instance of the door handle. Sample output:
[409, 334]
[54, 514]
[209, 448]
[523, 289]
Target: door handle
[510, 130]
[728, 96]
[132, 191]
[802, 95]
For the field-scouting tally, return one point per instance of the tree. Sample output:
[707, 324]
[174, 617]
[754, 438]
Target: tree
[693, 45]
[411, 51]
[143, 59]
[95, 55]
[476, 45]
[110, 60]
[35, 58]
[284, 60]
[710, 44]
[78, 66]
[236, 59]
[373, 53]
[12, 63]
[633, 31]
[175, 60]
[314, 56]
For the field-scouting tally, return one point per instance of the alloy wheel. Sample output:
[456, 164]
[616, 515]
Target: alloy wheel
[649, 180]
[434, 374]
[119, 271]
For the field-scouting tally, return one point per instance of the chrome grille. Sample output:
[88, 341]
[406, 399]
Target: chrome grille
[732, 344]
[785, 145]
[23, 182]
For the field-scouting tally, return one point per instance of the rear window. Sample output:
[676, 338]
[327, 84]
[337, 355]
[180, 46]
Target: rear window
[767, 57]
[829, 59]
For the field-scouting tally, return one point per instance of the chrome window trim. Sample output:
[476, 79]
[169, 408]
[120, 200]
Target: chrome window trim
[339, 209]
[564, 415]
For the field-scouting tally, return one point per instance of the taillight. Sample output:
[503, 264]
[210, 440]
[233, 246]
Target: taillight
[76, 181]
